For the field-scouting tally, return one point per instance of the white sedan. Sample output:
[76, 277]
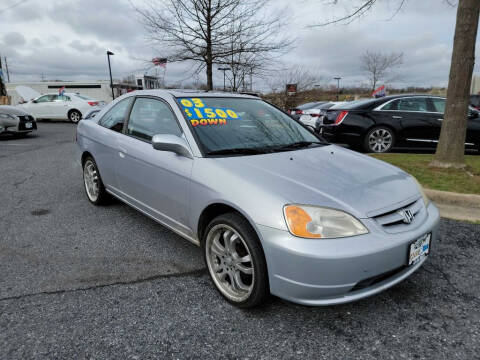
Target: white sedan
[69, 106]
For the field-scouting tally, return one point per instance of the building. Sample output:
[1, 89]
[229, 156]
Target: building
[475, 87]
[98, 90]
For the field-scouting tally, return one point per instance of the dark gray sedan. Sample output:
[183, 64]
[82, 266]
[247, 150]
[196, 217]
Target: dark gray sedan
[16, 121]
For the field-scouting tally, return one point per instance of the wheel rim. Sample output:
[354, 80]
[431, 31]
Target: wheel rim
[230, 262]
[90, 177]
[380, 140]
[75, 117]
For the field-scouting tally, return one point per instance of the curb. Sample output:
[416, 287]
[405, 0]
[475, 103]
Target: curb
[463, 207]
[455, 199]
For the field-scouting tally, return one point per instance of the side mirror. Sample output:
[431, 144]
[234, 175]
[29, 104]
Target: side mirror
[34, 101]
[173, 143]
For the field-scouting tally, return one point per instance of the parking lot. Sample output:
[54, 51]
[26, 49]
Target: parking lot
[79, 281]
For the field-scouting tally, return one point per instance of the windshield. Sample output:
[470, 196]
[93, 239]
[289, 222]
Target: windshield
[249, 125]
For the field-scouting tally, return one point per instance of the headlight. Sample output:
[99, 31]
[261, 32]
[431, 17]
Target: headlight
[316, 222]
[426, 200]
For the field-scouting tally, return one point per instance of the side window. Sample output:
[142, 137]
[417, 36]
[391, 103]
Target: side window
[62, 98]
[44, 98]
[439, 105]
[150, 117]
[115, 117]
[413, 104]
[392, 105]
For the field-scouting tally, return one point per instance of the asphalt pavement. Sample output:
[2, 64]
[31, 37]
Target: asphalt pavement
[79, 281]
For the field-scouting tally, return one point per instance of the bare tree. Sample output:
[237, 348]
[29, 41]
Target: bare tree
[201, 31]
[379, 66]
[451, 146]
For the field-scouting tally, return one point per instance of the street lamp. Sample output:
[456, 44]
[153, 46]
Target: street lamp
[224, 69]
[110, 71]
[338, 85]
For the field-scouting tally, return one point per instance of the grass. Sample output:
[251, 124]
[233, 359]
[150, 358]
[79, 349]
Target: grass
[461, 181]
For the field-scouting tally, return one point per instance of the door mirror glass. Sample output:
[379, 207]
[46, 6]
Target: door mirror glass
[173, 143]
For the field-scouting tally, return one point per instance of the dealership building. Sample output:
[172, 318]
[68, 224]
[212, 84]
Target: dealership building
[98, 90]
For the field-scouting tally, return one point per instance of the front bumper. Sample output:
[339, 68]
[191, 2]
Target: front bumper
[335, 271]
[23, 124]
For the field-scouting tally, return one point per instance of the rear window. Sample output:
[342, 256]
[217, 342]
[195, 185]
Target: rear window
[83, 97]
[360, 104]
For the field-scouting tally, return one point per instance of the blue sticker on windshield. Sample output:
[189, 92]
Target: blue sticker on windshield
[199, 114]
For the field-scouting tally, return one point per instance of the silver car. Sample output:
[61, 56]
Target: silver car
[275, 208]
[16, 121]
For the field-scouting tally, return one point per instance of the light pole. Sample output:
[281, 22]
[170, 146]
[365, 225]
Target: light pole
[110, 71]
[338, 85]
[224, 69]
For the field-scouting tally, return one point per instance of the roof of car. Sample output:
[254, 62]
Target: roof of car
[178, 93]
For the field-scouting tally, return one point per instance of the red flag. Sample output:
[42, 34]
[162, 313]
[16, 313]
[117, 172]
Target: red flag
[159, 61]
[380, 92]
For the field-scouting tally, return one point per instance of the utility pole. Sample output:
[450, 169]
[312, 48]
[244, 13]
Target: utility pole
[3, 90]
[338, 86]
[251, 79]
[224, 69]
[6, 68]
[110, 70]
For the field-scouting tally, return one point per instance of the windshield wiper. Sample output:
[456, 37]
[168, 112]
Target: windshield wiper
[240, 151]
[298, 145]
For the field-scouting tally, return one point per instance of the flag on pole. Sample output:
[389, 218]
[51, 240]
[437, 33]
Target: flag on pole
[380, 92]
[61, 91]
[160, 62]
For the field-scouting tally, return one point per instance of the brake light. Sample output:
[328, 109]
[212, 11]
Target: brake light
[314, 115]
[340, 117]
[298, 112]
[93, 103]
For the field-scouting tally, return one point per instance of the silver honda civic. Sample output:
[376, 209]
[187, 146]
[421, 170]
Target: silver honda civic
[276, 209]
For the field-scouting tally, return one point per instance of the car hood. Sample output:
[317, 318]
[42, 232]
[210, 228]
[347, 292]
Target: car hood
[12, 110]
[27, 93]
[328, 176]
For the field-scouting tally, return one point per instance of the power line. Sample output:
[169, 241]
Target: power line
[18, 3]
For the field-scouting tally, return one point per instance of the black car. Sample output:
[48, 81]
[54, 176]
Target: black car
[379, 125]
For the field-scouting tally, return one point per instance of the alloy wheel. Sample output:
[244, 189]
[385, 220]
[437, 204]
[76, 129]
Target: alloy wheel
[380, 140]
[230, 262]
[90, 177]
[75, 117]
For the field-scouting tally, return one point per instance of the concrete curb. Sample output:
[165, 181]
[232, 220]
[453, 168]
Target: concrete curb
[456, 206]
[451, 198]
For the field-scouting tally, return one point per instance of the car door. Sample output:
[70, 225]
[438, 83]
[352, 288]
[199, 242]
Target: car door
[106, 141]
[58, 108]
[39, 106]
[416, 119]
[155, 181]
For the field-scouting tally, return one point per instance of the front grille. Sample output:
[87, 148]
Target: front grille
[393, 222]
[376, 279]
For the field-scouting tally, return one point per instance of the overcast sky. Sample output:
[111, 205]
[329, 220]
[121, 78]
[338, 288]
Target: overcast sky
[67, 39]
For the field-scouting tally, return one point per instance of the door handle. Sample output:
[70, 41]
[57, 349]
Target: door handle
[121, 154]
[397, 117]
[440, 119]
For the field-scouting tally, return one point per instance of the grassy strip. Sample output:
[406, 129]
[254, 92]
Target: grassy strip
[460, 181]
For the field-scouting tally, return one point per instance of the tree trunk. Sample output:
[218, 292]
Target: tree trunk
[209, 61]
[451, 147]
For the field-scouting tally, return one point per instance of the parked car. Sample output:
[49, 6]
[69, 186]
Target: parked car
[69, 106]
[275, 208]
[394, 121]
[475, 101]
[298, 111]
[310, 116]
[14, 120]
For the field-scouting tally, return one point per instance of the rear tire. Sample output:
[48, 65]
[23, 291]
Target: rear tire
[380, 139]
[74, 116]
[235, 260]
[93, 184]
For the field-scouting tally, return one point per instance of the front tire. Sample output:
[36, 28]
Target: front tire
[74, 116]
[380, 139]
[92, 181]
[235, 260]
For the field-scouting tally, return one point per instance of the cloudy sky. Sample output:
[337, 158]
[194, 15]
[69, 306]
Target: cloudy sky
[67, 39]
